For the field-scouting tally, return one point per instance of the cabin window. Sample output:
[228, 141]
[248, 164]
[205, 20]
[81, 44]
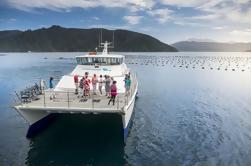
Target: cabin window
[99, 60]
[78, 61]
[108, 61]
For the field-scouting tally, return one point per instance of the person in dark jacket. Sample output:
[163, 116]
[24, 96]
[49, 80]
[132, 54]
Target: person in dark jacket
[81, 87]
[51, 83]
[113, 93]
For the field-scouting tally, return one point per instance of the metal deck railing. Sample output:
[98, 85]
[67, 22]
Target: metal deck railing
[50, 100]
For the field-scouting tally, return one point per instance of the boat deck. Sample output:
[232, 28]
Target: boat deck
[64, 102]
[68, 102]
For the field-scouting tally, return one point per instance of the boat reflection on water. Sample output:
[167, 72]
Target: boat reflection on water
[79, 140]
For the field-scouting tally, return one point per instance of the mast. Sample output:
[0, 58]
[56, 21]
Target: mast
[106, 44]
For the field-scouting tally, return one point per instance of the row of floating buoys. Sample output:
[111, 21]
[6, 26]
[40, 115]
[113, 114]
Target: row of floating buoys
[202, 62]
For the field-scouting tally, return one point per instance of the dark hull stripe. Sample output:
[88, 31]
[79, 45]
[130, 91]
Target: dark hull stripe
[40, 125]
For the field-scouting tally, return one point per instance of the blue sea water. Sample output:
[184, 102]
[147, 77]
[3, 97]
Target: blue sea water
[193, 109]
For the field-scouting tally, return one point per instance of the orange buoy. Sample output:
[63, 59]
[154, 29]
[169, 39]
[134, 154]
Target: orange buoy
[93, 53]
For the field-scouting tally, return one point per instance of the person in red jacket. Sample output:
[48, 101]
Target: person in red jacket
[113, 92]
[75, 77]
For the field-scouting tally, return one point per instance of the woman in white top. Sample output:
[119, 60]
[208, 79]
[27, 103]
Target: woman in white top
[94, 83]
[100, 83]
[42, 86]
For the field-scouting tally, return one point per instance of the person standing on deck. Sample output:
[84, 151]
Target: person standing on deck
[100, 84]
[127, 84]
[86, 85]
[42, 86]
[94, 84]
[51, 83]
[51, 88]
[111, 82]
[76, 83]
[81, 87]
[107, 85]
[126, 76]
[113, 93]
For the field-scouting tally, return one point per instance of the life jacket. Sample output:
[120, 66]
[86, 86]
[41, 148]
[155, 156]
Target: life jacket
[113, 90]
[75, 78]
[87, 83]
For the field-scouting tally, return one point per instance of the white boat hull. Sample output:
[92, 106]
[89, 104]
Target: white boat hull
[38, 119]
[127, 118]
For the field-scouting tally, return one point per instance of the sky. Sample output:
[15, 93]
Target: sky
[168, 20]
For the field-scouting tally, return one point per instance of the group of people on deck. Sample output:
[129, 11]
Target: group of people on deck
[97, 83]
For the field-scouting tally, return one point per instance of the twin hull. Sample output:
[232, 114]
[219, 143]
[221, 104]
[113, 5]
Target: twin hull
[39, 119]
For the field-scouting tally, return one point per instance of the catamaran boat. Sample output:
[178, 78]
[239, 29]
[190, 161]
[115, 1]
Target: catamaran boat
[37, 105]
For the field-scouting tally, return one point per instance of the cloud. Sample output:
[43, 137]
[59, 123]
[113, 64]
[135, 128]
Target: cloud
[12, 20]
[205, 17]
[208, 15]
[133, 19]
[241, 35]
[189, 23]
[59, 5]
[239, 16]
[112, 27]
[95, 18]
[162, 15]
[183, 3]
[242, 1]
[67, 10]
[9, 20]
[246, 32]
[203, 3]
[231, 10]
[219, 28]
[200, 40]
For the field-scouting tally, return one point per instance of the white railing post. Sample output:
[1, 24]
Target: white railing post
[118, 102]
[131, 90]
[68, 99]
[44, 100]
[92, 96]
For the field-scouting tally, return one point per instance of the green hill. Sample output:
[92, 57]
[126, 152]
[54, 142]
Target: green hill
[61, 39]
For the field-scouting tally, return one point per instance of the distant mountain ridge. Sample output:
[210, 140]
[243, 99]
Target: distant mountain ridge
[57, 38]
[196, 46]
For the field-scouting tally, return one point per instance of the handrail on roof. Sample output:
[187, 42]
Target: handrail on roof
[101, 56]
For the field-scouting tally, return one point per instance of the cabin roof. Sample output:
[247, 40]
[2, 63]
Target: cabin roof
[111, 70]
[101, 56]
